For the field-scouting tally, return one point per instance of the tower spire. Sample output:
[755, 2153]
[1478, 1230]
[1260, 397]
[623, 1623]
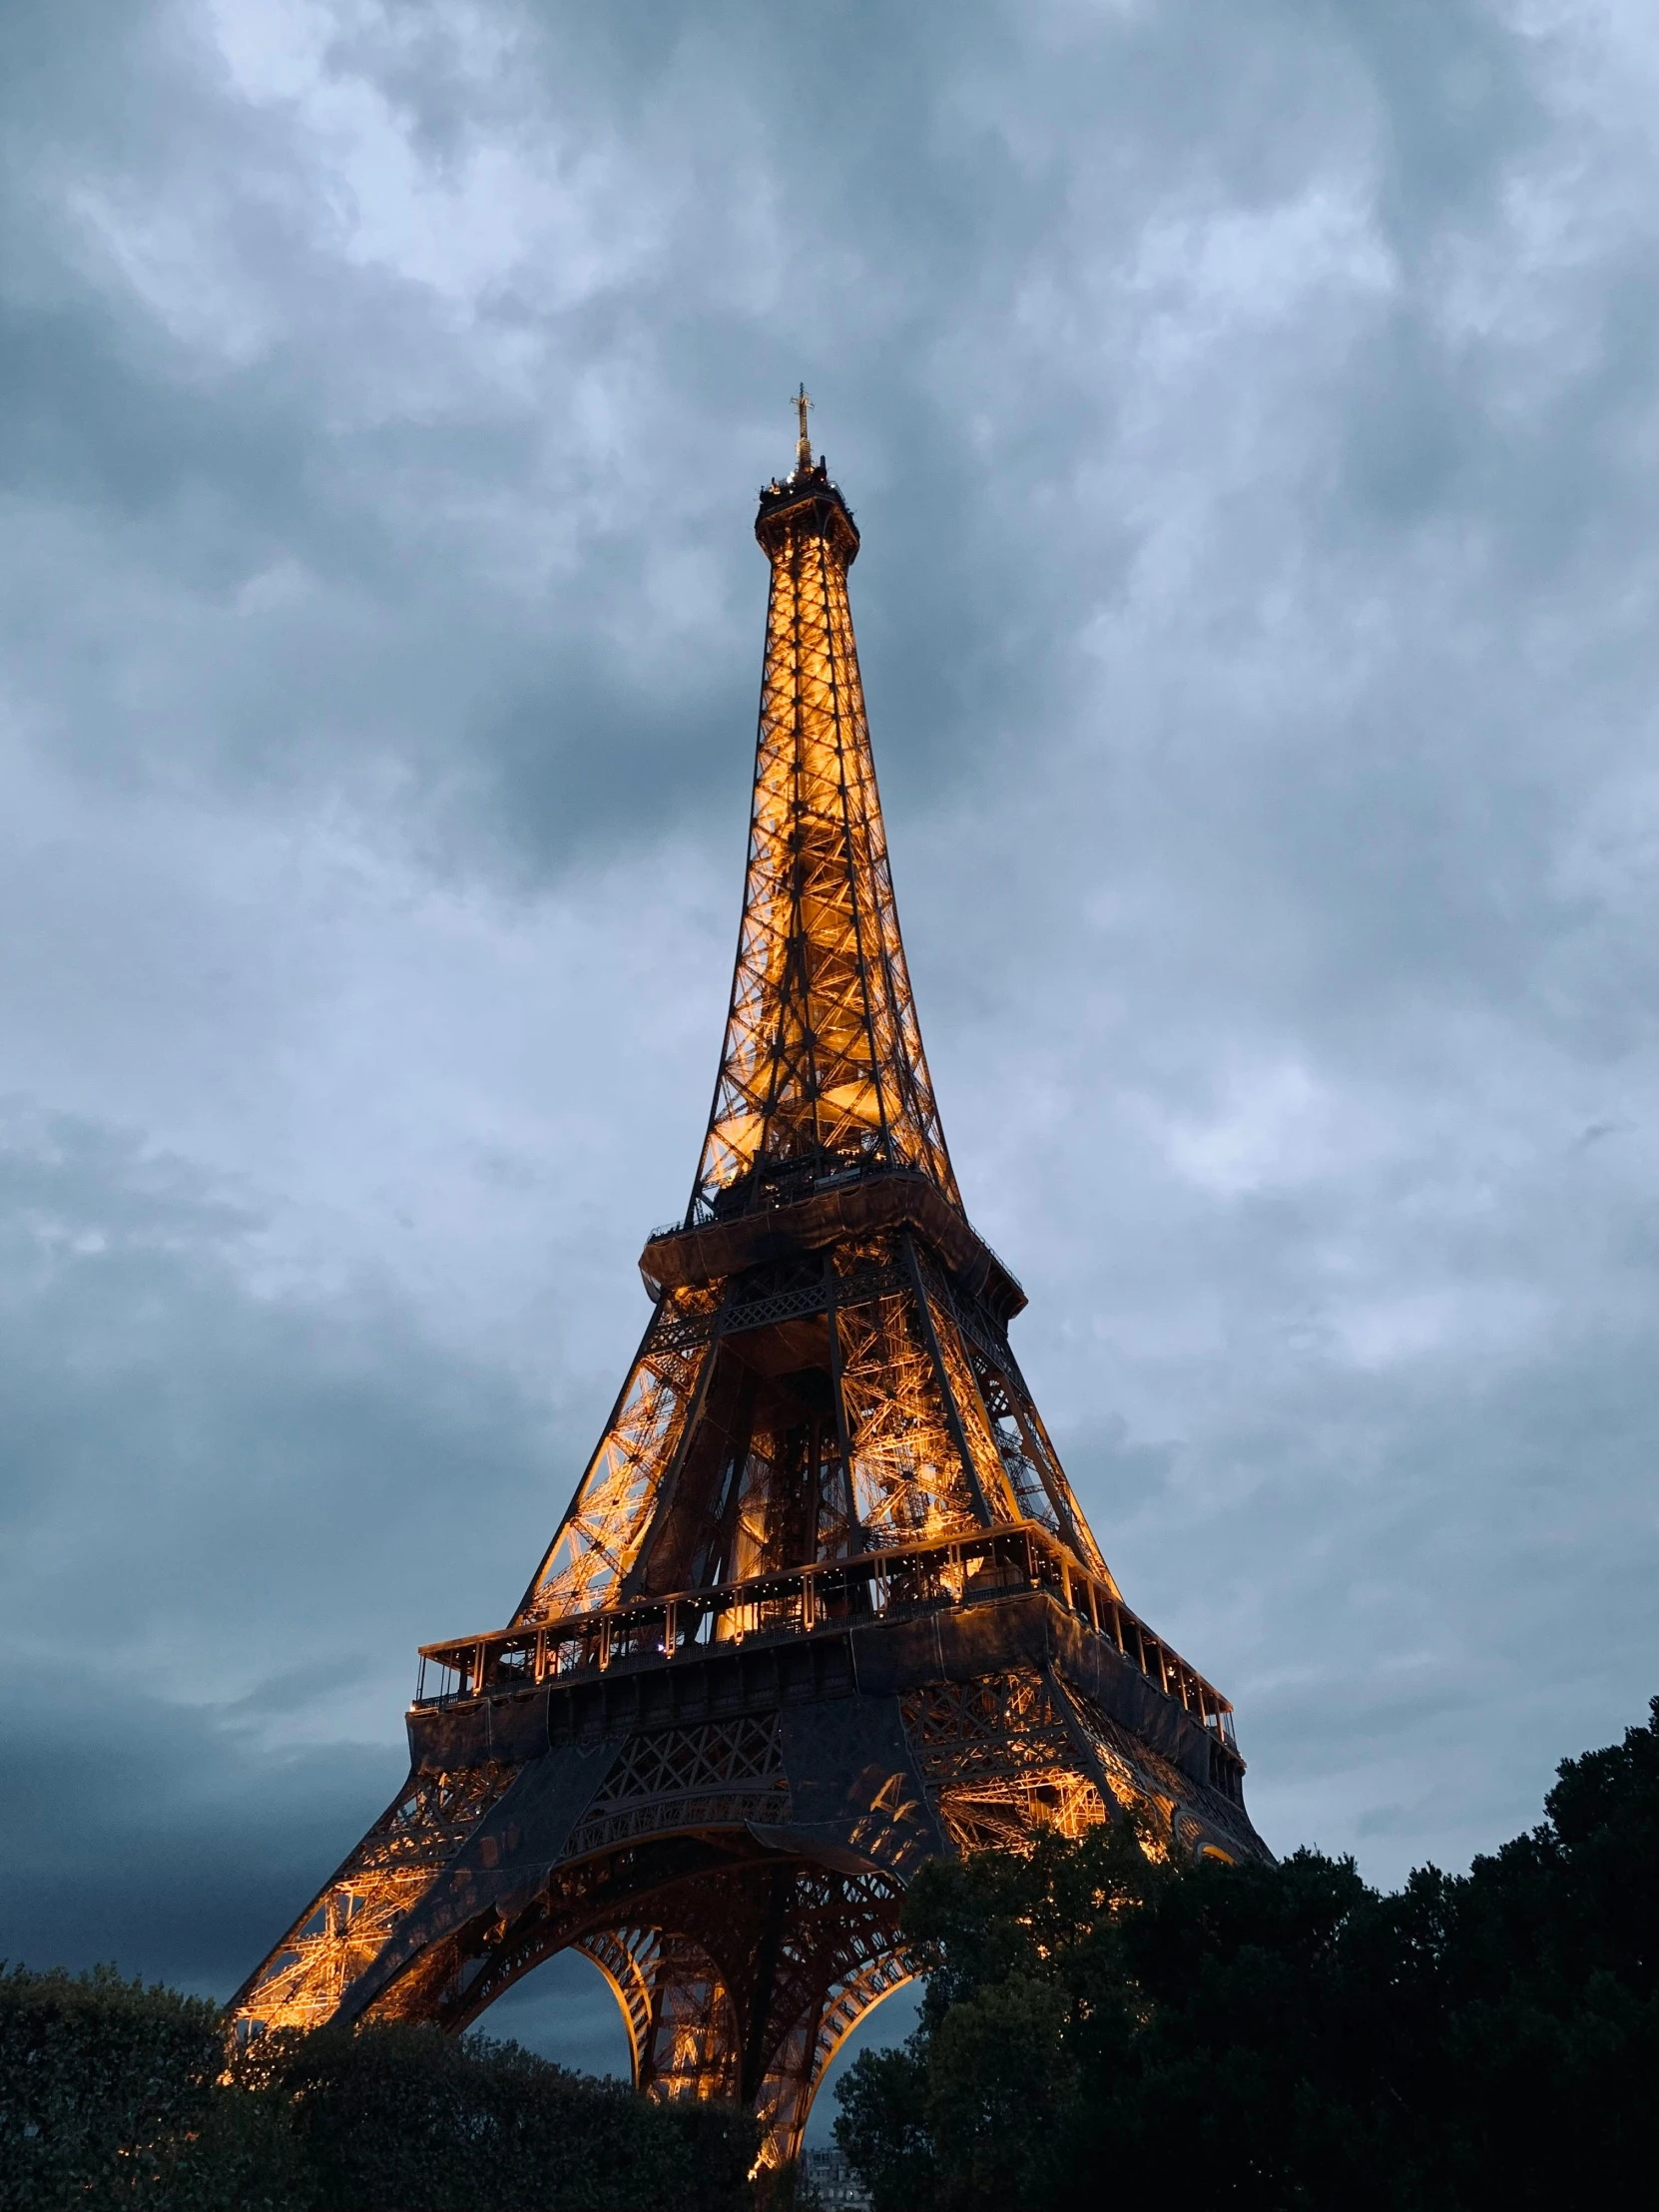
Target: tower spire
[803, 443]
[822, 1071]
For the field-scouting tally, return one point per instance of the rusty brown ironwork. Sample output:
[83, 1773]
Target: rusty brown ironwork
[823, 1604]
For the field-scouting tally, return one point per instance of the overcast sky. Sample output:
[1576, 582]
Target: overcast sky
[1251, 410]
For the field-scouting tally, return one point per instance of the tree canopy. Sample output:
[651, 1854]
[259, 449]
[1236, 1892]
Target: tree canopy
[1281, 2036]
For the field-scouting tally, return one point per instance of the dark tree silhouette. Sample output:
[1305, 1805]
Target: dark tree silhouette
[1283, 2036]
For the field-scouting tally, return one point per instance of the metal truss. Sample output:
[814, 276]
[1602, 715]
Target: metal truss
[605, 1520]
[1001, 1762]
[344, 1931]
[822, 1061]
[924, 1427]
[768, 2023]
[720, 1775]
[682, 2029]
[837, 1954]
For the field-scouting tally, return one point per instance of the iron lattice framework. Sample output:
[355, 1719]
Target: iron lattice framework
[823, 1604]
[823, 1063]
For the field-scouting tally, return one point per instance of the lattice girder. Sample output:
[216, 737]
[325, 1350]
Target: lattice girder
[823, 1058]
[346, 1931]
[600, 1535]
[873, 1406]
[730, 1999]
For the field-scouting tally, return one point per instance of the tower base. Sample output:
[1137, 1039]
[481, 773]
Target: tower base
[728, 1831]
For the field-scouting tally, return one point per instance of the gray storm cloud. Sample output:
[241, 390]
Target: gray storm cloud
[1250, 411]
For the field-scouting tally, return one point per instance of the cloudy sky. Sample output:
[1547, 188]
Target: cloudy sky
[1251, 410]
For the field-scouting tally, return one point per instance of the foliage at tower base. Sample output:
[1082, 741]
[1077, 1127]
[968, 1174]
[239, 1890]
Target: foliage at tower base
[110, 2096]
[1283, 2036]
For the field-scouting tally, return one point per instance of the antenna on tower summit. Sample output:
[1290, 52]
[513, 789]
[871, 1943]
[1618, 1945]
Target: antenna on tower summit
[803, 447]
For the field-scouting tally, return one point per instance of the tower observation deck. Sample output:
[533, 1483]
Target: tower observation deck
[823, 1604]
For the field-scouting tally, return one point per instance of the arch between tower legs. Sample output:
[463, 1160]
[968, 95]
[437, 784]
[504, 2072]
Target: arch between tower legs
[738, 1971]
[682, 2027]
[764, 2023]
[805, 2053]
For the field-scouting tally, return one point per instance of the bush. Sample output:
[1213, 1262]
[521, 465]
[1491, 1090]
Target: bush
[108, 2096]
[111, 2095]
[408, 2119]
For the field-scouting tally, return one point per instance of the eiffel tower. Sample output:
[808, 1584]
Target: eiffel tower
[823, 1604]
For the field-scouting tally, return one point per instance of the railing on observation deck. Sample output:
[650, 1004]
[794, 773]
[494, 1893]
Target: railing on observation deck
[879, 1585]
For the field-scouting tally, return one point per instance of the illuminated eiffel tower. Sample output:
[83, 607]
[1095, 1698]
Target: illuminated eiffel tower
[823, 1604]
